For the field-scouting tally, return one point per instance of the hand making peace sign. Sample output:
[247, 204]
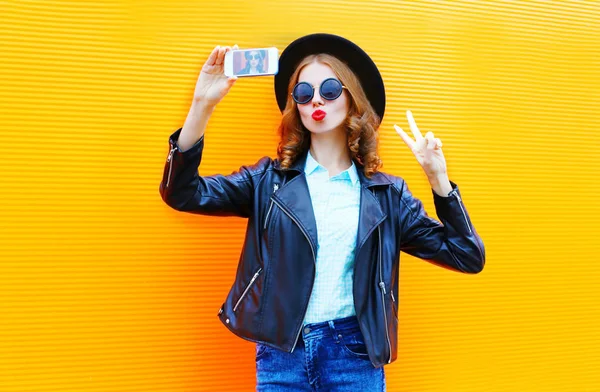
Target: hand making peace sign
[427, 150]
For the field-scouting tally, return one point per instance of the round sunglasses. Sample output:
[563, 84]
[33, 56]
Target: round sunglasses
[330, 89]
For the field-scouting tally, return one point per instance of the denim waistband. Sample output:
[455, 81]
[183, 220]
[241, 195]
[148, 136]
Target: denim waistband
[330, 328]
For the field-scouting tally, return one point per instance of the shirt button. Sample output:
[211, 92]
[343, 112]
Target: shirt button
[306, 330]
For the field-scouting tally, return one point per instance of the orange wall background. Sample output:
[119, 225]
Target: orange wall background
[105, 288]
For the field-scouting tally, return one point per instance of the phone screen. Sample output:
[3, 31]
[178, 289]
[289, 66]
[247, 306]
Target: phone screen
[250, 62]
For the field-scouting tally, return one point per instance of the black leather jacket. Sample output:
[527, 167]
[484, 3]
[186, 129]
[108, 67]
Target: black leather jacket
[275, 274]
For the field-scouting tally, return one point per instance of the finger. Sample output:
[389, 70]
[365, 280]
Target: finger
[235, 47]
[227, 49]
[213, 56]
[409, 142]
[430, 143]
[413, 126]
[220, 56]
[438, 142]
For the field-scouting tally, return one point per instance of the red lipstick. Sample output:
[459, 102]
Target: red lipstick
[318, 115]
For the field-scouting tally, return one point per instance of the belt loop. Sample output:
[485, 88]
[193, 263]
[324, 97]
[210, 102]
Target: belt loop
[335, 335]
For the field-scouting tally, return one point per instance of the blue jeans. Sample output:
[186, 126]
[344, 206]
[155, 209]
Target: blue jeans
[329, 356]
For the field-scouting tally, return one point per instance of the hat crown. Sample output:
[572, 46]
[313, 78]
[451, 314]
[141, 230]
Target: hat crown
[345, 50]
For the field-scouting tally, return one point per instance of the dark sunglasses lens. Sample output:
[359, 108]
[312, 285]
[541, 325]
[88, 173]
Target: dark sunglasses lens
[302, 93]
[331, 89]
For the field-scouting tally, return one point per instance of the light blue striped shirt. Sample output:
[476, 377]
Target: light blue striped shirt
[336, 204]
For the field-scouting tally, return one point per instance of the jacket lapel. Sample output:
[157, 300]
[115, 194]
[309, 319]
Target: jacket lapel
[371, 213]
[370, 216]
[294, 198]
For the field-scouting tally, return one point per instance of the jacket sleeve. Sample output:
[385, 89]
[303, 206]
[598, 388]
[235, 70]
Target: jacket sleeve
[453, 244]
[183, 189]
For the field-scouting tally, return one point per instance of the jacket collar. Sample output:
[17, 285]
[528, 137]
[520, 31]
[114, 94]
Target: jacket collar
[294, 198]
[376, 179]
[312, 165]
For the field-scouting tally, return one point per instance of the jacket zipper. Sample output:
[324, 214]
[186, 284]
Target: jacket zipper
[247, 288]
[382, 286]
[314, 259]
[301, 229]
[463, 210]
[268, 212]
[170, 160]
[394, 303]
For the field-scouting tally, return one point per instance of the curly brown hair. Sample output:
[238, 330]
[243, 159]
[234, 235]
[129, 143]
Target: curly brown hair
[361, 122]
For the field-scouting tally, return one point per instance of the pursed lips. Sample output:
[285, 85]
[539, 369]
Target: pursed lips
[318, 115]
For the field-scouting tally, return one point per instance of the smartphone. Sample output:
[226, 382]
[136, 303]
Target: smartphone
[252, 62]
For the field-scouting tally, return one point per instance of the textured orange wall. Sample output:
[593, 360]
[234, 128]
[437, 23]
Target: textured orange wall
[105, 288]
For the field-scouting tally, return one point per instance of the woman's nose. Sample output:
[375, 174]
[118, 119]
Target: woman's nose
[317, 99]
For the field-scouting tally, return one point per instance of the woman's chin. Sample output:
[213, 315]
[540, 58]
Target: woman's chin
[322, 129]
[322, 126]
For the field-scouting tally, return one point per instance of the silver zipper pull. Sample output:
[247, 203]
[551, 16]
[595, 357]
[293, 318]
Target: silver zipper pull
[268, 213]
[171, 154]
[382, 285]
[169, 159]
[247, 288]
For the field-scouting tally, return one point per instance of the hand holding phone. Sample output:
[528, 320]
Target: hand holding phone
[252, 62]
[213, 84]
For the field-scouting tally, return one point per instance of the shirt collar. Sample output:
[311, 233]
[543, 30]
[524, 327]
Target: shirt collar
[312, 165]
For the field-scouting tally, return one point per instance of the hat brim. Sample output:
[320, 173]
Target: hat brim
[350, 53]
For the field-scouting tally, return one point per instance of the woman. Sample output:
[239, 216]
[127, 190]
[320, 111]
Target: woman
[317, 282]
[254, 63]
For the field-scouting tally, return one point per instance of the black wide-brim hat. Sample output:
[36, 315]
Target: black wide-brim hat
[350, 53]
